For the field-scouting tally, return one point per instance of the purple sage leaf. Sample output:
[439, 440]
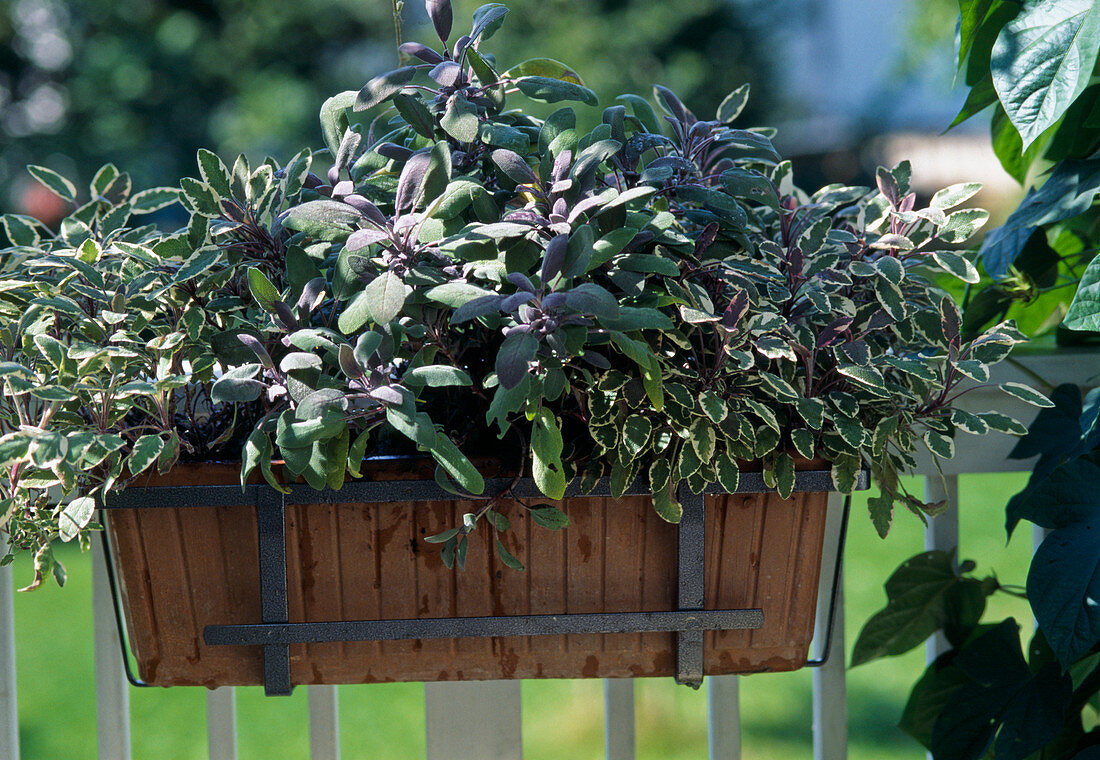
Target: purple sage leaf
[257, 348]
[393, 151]
[514, 301]
[513, 165]
[411, 180]
[439, 11]
[554, 257]
[423, 52]
[360, 239]
[447, 74]
[521, 281]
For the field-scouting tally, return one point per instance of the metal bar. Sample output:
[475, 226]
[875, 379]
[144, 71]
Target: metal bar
[723, 718]
[120, 626]
[112, 701]
[282, 634]
[942, 533]
[473, 719]
[324, 723]
[830, 700]
[618, 718]
[414, 490]
[826, 588]
[9, 707]
[271, 524]
[221, 723]
[690, 590]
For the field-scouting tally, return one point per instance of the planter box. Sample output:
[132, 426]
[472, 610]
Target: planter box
[181, 569]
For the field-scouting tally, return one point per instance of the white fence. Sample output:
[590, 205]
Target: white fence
[457, 713]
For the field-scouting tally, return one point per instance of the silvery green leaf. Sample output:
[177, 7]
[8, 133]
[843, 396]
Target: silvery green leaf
[731, 107]
[502, 136]
[487, 20]
[54, 182]
[952, 196]
[968, 423]
[435, 376]
[962, 224]
[145, 451]
[1002, 423]
[1026, 394]
[460, 119]
[554, 90]
[636, 431]
[383, 86]
[957, 265]
[973, 369]
[939, 444]
[385, 297]
[868, 378]
[75, 516]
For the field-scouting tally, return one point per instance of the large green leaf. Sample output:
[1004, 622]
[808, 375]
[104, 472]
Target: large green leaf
[1068, 191]
[1003, 703]
[928, 698]
[1042, 61]
[914, 610]
[1063, 584]
[1084, 312]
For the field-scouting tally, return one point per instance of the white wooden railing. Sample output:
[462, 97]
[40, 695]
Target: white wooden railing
[457, 713]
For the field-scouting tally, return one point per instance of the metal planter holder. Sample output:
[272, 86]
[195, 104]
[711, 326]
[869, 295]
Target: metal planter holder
[275, 634]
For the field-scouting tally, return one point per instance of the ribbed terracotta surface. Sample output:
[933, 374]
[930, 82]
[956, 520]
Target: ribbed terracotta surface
[184, 569]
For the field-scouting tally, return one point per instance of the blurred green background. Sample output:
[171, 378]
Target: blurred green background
[144, 83]
[562, 719]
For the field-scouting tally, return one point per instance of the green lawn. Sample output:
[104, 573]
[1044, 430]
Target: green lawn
[562, 719]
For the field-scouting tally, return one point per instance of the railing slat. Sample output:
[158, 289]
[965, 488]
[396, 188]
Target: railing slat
[723, 718]
[324, 723]
[473, 719]
[112, 696]
[618, 721]
[9, 709]
[942, 533]
[221, 723]
[830, 685]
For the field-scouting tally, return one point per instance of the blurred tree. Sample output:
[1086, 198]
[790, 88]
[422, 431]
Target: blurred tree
[143, 83]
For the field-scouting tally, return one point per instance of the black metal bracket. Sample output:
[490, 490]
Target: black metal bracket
[275, 634]
[690, 589]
